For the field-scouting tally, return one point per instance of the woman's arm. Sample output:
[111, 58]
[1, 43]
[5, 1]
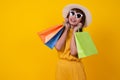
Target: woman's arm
[61, 42]
[73, 47]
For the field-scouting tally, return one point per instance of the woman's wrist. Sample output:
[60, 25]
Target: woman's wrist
[74, 31]
[66, 29]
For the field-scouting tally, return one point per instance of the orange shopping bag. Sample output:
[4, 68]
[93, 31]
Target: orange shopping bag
[47, 34]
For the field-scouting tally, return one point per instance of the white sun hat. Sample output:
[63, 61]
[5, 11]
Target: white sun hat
[67, 8]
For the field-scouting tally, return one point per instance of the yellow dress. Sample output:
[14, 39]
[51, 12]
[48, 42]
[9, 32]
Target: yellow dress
[69, 67]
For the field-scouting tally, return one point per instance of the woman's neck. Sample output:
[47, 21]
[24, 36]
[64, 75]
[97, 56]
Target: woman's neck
[72, 27]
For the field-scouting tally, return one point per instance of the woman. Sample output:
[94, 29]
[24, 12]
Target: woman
[69, 65]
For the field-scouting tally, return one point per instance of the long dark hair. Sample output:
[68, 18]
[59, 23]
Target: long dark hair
[83, 18]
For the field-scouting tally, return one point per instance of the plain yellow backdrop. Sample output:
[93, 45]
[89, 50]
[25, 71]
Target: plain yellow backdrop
[23, 56]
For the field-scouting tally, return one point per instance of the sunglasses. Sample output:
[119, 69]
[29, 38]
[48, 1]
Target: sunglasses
[77, 15]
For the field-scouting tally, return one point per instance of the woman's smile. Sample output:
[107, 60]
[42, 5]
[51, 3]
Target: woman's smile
[73, 20]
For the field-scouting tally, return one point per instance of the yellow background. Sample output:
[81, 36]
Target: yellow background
[24, 57]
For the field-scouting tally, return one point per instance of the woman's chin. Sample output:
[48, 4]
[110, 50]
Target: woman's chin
[73, 24]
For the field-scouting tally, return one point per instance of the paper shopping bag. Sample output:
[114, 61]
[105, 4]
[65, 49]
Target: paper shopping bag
[47, 34]
[84, 44]
[51, 43]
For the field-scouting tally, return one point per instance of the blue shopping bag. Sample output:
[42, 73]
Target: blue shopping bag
[51, 43]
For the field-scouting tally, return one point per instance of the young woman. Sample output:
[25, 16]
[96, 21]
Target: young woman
[69, 65]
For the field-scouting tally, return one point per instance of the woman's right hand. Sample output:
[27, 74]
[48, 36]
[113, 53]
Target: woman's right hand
[61, 42]
[66, 24]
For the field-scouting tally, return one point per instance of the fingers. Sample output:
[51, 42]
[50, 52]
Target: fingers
[66, 23]
[80, 25]
[66, 20]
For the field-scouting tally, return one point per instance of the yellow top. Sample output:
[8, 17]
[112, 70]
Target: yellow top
[65, 51]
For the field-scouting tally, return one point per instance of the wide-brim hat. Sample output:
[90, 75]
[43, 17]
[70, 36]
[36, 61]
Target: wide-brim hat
[67, 8]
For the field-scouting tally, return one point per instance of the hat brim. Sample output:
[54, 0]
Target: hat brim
[85, 10]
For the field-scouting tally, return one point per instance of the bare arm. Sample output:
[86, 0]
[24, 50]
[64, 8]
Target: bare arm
[73, 47]
[61, 42]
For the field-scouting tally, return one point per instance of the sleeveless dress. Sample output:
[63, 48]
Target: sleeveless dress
[68, 66]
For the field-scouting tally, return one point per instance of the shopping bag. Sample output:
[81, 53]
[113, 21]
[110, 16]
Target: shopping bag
[47, 34]
[85, 45]
[51, 43]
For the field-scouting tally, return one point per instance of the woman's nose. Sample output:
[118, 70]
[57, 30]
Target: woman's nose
[74, 17]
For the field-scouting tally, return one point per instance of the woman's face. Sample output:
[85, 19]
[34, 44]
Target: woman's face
[74, 18]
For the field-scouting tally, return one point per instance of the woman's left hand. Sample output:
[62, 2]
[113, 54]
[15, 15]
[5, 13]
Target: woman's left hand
[77, 27]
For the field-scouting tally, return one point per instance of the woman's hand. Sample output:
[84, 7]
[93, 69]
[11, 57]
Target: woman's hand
[77, 27]
[66, 24]
[61, 42]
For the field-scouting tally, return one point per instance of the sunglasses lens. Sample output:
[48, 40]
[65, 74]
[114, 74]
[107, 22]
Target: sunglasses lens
[79, 15]
[72, 13]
